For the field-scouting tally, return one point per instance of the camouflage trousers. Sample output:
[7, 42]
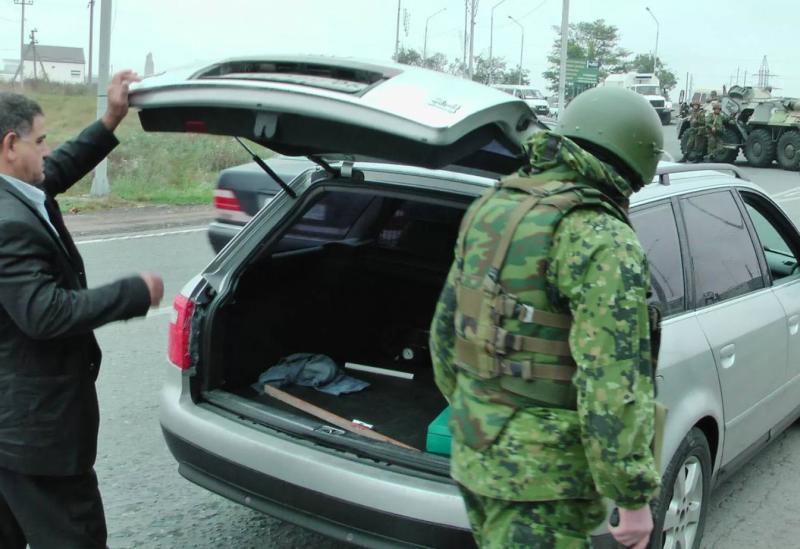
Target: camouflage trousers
[715, 146]
[698, 149]
[560, 524]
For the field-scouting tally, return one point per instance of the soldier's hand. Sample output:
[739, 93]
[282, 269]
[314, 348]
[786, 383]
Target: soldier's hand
[634, 527]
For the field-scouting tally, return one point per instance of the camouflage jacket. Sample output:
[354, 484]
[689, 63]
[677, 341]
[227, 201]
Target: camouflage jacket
[697, 120]
[597, 270]
[715, 123]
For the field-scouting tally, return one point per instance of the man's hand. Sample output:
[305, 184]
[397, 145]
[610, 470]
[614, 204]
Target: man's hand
[155, 286]
[117, 96]
[634, 527]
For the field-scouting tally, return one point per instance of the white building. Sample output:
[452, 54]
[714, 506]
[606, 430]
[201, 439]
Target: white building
[8, 67]
[60, 64]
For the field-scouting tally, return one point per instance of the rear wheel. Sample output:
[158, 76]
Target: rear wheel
[680, 513]
[789, 150]
[728, 155]
[759, 149]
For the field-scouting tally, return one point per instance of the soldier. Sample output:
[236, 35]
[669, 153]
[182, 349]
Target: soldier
[715, 126]
[696, 144]
[540, 340]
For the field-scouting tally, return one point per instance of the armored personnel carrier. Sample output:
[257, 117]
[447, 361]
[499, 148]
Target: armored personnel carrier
[765, 128]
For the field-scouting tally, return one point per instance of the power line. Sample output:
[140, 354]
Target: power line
[542, 3]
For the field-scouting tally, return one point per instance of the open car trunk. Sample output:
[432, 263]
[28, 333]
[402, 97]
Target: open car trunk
[356, 277]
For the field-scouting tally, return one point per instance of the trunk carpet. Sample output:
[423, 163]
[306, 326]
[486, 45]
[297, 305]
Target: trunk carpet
[398, 408]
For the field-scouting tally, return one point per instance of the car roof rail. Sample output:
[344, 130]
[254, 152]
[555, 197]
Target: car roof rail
[663, 172]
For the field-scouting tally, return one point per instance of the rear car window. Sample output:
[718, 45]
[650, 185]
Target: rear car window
[331, 216]
[724, 259]
[425, 230]
[658, 234]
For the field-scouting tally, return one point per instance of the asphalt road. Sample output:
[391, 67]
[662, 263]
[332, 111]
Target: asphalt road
[149, 505]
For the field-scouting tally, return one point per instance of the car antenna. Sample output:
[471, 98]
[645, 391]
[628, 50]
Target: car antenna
[267, 169]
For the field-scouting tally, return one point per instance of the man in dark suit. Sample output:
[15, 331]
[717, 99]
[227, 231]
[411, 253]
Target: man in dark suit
[49, 357]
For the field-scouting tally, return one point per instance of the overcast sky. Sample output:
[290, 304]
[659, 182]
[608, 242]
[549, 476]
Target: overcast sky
[709, 40]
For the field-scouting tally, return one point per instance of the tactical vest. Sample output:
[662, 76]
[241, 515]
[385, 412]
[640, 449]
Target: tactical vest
[497, 333]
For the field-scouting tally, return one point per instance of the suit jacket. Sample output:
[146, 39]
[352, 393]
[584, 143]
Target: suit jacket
[49, 357]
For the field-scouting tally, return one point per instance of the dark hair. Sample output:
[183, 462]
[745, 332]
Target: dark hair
[17, 113]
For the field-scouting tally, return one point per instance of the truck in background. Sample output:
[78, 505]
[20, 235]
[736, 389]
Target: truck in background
[646, 84]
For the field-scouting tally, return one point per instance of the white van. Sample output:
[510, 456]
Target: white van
[531, 96]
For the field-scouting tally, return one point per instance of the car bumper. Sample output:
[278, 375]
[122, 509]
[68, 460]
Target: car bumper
[220, 233]
[332, 517]
[294, 479]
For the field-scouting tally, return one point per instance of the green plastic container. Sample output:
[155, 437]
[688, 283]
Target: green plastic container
[438, 439]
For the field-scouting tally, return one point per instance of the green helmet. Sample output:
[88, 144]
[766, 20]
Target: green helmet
[619, 121]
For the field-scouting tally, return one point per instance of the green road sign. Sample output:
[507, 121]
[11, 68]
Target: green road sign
[582, 71]
[587, 76]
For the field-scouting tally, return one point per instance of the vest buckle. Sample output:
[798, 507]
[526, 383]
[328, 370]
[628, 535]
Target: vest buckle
[524, 312]
[500, 342]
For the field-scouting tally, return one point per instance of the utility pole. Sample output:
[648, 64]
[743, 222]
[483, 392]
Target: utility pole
[491, 40]
[686, 97]
[521, 46]
[655, 51]
[397, 34]
[21, 71]
[473, 10]
[466, 32]
[100, 182]
[91, 30]
[562, 79]
[33, 52]
[425, 44]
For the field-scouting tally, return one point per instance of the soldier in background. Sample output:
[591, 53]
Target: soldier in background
[696, 144]
[715, 126]
[540, 341]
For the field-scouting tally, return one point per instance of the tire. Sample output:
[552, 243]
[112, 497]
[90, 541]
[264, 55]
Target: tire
[789, 150]
[728, 156]
[759, 149]
[681, 509]
[666, 118]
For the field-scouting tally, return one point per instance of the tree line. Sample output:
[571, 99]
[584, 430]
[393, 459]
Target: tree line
[595, 41]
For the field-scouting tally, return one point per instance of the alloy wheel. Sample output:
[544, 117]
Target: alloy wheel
[683, 514]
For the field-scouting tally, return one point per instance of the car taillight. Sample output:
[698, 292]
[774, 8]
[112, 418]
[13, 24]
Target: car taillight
[179, 328]
[226, 200]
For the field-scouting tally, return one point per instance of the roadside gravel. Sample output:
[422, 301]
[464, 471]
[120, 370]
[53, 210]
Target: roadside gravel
[144, 218]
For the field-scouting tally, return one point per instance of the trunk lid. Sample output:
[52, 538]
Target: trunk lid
[301, 106]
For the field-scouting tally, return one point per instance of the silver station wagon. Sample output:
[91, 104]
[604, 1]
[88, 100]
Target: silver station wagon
[347, 261]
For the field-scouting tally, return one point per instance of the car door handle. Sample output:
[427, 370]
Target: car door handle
[794, 324]
[727, 355]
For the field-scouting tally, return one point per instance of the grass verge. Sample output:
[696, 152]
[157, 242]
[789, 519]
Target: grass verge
[175, 169]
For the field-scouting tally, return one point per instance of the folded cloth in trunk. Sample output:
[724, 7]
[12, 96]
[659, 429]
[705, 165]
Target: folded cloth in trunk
[310, 370]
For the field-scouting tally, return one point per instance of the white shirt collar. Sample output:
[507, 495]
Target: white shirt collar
[32, 193]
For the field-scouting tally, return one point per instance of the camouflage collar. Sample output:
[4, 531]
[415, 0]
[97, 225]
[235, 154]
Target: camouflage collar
[548, 151]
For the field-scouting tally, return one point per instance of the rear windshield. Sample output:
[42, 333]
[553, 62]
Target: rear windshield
[531, 94]
[648, 90]
[416, 228]
[331, 217]
[409, 226]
